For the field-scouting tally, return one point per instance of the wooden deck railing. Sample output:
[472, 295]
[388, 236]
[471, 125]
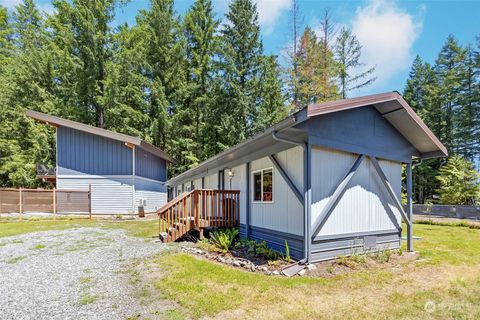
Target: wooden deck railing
[198, 209]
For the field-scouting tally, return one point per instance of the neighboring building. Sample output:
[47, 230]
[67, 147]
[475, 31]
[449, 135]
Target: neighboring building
[327, 179]
[123, 172]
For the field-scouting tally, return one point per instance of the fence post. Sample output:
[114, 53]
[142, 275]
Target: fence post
[54, 203]
[20, 202]
[90, 201]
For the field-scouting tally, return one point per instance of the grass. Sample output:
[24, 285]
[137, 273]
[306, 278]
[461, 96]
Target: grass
[135, 228]
[87, 299]
[443, 284]
[16, 259]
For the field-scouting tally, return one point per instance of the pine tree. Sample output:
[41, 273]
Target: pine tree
[26, 84]
[448, 73]
[240, 57]
[272, 107]
[312, 84]
[291, 72]
[458, 182]
[347, 54]
[199, 27]
[467, 117]
[165, 59]
[126, 87]
[83, 35]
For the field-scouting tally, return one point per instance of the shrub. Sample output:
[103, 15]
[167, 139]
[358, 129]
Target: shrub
[266, 251]
[223, 239]
[383, 255]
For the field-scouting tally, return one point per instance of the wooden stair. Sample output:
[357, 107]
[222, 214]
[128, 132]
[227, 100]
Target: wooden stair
[198, 209]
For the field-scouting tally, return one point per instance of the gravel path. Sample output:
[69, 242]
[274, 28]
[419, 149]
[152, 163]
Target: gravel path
[82, 273]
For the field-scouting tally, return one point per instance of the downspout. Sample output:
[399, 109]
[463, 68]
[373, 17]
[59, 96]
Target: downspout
[306, 195]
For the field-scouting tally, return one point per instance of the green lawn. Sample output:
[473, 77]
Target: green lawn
[445, 282]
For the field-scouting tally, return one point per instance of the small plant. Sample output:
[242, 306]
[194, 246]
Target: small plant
[270, 254]
[223, 239]
[287, 252]
[383, 256]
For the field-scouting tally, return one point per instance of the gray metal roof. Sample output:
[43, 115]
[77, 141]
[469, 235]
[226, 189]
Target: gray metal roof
[56, 121]
[258, 146]
[391, 105]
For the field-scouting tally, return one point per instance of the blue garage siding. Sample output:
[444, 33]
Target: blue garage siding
[150, 166]
[81, 153]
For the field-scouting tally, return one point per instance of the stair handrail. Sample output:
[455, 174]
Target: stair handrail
[174, 201]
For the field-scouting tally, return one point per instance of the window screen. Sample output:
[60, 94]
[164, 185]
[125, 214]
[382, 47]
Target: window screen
[267, 185]
[263, 185]
[257, 186]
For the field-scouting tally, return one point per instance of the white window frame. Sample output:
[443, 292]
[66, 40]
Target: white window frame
[261, 185]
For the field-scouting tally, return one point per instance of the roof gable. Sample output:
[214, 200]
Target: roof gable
[56, 121]
[397, 112]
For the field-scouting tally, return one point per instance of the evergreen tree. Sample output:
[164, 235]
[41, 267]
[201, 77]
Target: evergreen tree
[311, 72]
[84, 37]
[240, 57]
[347, 54]
[458, 182]
[448, 73]
[165, 59]
[26, 84]
[126, 87]
[200, 27]
[272, 107]
[467, 117]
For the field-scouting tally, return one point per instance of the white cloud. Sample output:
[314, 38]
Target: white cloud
[387, 34]
[269, 11]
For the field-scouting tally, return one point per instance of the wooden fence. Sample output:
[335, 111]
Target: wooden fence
[45, 201]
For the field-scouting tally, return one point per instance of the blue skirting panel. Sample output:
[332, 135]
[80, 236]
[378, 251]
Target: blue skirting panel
[344, 245]
[276, 240]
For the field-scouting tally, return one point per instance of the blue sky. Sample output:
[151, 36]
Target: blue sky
[391, 32]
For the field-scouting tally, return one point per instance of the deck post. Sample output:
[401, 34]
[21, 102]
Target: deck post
[247, 203]
[54, 202]
[409, 208]
[90, 201]
[20, 202]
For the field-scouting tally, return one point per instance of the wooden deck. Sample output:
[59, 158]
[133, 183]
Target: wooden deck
[198, 209]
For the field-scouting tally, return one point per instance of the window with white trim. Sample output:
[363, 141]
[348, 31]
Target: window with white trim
[263, 185]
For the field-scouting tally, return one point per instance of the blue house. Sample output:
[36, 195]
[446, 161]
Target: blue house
[123, 172]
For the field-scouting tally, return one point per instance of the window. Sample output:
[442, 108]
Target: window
[263, 185]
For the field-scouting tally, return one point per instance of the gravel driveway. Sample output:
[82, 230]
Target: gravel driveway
[82, 273]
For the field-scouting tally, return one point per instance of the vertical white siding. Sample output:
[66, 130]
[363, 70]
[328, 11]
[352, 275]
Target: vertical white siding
[286, 212]
[109, 195]
[364, 206]
[239, 182]
[211, 181]
[197, 183]
[154, 193]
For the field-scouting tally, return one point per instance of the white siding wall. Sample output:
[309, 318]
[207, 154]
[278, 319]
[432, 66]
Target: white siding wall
[114, 195]
[211, 181]
[153, 192]
[286, 212]
[239, 182]
[198, 183]
[109, 195]
[365, 206]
